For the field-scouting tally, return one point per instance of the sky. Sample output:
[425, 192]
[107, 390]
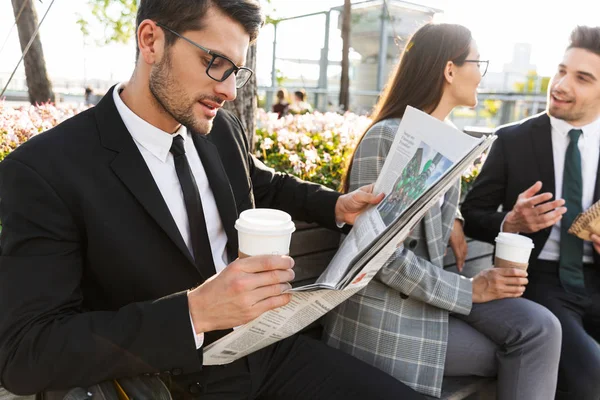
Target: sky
[496, 26]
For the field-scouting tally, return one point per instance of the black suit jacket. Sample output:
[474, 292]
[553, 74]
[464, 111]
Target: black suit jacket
[93, 270]
[521, 155]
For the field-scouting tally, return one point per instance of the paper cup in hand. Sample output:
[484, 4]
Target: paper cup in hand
[264, 231]
[512, 251]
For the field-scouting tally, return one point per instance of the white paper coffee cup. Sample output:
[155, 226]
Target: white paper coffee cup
[264, 231]
[512, 250]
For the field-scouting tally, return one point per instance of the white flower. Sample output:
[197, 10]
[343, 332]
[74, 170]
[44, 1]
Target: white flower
[267, 144]
[311, 156]
[305, 140]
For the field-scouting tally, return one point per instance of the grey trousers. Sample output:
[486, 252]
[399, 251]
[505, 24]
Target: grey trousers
[516, 340]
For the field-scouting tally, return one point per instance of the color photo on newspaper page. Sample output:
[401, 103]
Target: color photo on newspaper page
[425, 168]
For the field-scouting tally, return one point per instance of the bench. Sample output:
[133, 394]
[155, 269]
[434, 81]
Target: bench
[312, 248]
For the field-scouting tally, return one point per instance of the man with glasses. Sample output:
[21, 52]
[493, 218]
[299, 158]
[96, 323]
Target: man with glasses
[543, 172]
[118, 243]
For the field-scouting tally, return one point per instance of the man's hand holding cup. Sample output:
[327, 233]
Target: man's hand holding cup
[255, 282]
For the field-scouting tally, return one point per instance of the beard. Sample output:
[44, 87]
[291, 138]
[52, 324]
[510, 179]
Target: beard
[573, 113]
[566, 115]
[173, 100]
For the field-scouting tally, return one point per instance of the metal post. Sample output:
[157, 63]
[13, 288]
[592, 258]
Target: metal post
[506, 111]
[383, 44]
[269, 93]
[537, 90]
[477, 112]
[322, 100]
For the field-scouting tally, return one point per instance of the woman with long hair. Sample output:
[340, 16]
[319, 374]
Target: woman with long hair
[416, 320]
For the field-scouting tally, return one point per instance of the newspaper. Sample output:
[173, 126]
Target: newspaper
[427, 157]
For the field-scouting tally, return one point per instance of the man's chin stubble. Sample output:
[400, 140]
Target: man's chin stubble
[204, 128]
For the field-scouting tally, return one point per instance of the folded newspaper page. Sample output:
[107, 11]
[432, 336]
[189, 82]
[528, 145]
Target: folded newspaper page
[587, 223]
[427, 157]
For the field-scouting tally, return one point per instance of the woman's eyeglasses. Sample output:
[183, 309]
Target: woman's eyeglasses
[482, 64]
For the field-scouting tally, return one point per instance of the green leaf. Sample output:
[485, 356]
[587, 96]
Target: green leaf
[117, 18]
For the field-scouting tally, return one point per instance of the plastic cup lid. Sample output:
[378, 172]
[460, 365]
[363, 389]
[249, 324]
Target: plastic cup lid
[265, 221]
[513, 239]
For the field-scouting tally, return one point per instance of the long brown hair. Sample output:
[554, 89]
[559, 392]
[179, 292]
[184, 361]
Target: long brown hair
[418, 79]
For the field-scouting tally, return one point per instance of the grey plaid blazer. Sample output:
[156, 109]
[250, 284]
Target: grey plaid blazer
[399, 322]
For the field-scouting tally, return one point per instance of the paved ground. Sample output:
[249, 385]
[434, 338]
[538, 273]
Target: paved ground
[4, 395]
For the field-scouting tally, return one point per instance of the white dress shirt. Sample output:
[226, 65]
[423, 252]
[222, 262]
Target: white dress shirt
[154, 145]
[589, 147]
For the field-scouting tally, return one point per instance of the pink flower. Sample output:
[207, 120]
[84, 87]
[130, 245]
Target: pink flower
[19, 124]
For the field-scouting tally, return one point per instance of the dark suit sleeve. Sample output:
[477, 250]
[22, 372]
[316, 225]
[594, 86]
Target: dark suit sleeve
[480, 208]
[47, 339]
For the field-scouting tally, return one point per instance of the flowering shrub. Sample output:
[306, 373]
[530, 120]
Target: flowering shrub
[469, 176]
[314, 147]
[19, 124]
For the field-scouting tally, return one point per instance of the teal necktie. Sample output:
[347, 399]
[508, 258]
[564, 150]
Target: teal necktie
[571, 247]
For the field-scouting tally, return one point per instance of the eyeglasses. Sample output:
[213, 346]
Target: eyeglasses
[482, 64]
[220, 67]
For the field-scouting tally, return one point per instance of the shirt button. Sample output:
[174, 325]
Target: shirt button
[195, 388]
[176, 371]
[412, 244]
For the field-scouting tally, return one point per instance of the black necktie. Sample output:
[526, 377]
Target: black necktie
[200, 243]
[571, 247]
[193, 204]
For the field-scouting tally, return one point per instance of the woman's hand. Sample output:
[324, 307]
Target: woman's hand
[458, 243]
[498, 283]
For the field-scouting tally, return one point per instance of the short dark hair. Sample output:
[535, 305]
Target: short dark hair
[281, 94]
[586, 37]
[301, 94]
[187, 15]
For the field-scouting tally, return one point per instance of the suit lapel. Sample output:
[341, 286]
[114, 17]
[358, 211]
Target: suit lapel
[596, 198]
[219, 184]
[130, 167]
[541, 142]
[597, 187]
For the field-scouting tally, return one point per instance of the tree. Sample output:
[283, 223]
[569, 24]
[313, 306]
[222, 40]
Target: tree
[531, 83]
[118, 18]
[492, 107]
[245, 104]
[38, 84]
[345, 79]
[545, 84]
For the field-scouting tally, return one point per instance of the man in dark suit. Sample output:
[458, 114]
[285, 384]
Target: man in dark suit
[111, 218]
[556, 152]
